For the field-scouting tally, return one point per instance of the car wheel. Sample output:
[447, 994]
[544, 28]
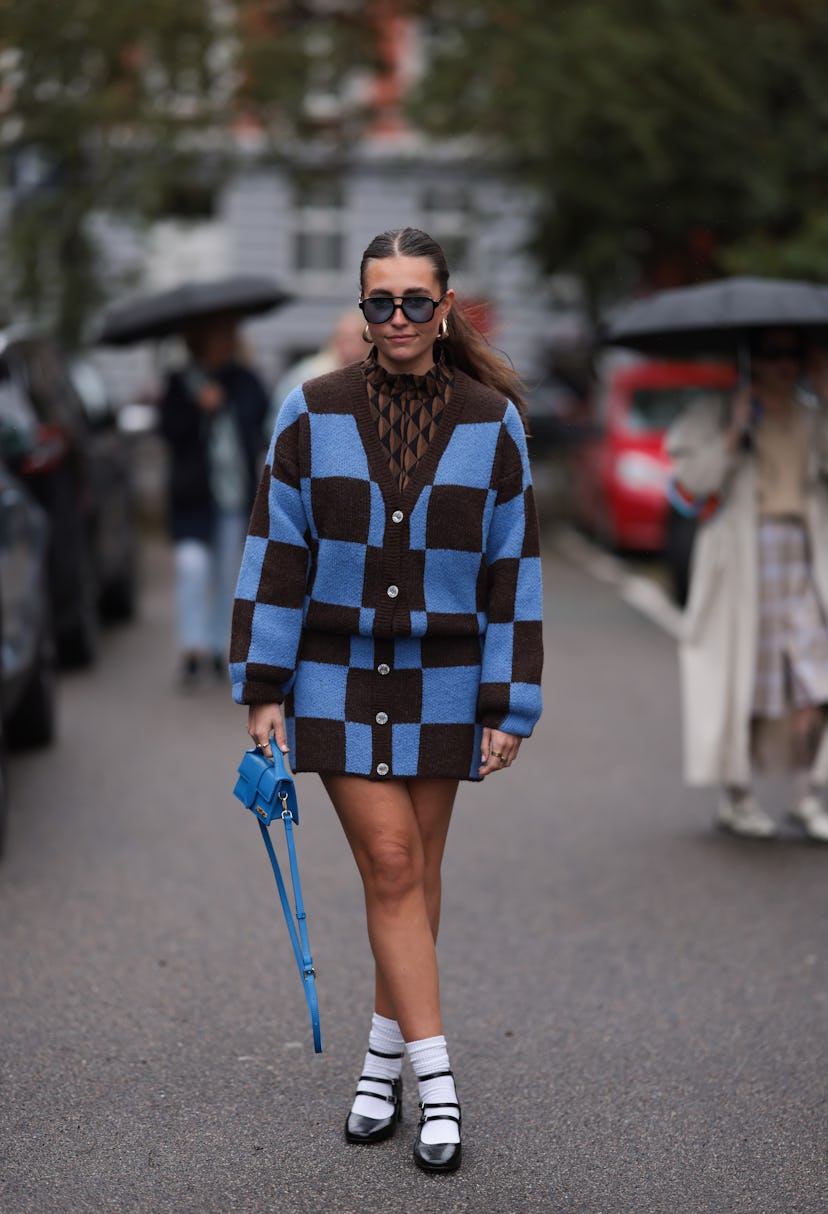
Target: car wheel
[79, 636]
[34, 719]
[119, 600]
[4, 793]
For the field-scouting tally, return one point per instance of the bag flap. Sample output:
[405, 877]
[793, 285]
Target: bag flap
[265, 781]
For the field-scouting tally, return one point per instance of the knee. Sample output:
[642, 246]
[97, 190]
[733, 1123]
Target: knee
[394, 870]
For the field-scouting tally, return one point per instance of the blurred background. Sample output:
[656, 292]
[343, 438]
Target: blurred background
[568, 156]
[656, 994]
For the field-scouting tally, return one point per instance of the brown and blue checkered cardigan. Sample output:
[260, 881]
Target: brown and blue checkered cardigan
[395, 624]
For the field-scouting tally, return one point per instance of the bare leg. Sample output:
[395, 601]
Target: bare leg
[807, 730]
[397, 838]
[433, 801]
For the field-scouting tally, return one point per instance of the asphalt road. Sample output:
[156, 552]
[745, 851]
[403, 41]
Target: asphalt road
[636, 1006]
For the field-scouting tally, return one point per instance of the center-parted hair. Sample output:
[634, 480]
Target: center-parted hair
[465, 346]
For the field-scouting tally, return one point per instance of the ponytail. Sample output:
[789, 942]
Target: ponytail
[467, 349]
[465, 346]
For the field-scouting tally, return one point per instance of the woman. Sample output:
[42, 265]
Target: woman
[754, 652]
[212, 417]
[390, 598]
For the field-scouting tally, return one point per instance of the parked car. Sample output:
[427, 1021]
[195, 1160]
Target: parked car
[62, 439]
[555, 413]
[113, 491]
[619, 472]
[27, 650]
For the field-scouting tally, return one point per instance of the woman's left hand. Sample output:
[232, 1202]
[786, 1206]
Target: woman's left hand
[498, 750]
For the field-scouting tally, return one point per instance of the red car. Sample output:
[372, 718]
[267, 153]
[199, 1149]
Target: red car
[619, 472]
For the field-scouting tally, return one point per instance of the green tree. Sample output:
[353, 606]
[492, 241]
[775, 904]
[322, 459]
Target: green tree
[110, 108]
[667, 140]
[300, 62]
[102, 105]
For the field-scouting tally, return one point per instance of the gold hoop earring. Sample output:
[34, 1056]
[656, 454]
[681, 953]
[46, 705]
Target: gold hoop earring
[442, 330]
[366, 336]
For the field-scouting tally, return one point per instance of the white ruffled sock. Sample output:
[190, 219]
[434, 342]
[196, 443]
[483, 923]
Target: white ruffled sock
[428, 1057]
[386, 1050]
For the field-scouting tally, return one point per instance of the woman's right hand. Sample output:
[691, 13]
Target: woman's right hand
[265, 721]
[211, 396]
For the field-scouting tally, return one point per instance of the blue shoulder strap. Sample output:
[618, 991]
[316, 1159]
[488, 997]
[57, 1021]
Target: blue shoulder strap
[301, 945]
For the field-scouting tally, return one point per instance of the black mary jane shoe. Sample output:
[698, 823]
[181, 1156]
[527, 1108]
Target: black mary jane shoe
[375, 1129]
[437, 1156]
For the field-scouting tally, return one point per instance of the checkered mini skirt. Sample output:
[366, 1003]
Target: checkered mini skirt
[792, 665]
[386, 707]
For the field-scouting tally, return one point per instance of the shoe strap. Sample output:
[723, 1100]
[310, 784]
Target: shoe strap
[394, 1083]
[375, 1095]
[426, 1115]
[379, 1054]
[436, 1075]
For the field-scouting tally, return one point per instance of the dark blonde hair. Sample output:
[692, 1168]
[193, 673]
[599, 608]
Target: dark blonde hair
[465, 346]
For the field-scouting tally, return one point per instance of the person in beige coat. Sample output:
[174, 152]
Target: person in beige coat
[754, 647]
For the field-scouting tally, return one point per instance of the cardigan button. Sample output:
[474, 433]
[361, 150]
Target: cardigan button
[397, 516]
[381, 718]
[383, 668]
[392, 591]
[382, 769]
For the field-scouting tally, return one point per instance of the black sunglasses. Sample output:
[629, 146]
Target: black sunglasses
[419, 309]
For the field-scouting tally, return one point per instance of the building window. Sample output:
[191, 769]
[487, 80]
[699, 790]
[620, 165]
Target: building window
[318, 251]
[319, 225]
[449, 218]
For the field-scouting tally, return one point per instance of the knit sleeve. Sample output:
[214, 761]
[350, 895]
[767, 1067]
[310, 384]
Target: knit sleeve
[270, 595]
[510, 691]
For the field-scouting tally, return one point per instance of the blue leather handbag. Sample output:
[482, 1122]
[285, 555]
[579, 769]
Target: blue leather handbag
[262, 784]
[265, 787]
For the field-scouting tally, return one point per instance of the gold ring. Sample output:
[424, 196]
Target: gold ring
[497, 755]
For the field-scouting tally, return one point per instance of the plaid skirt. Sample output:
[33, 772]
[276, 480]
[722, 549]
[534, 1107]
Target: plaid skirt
[792, 660]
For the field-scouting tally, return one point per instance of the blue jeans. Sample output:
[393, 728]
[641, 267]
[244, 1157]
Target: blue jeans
[206, 575]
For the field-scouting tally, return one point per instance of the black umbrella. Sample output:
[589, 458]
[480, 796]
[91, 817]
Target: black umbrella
[167, 312]
[717, 318]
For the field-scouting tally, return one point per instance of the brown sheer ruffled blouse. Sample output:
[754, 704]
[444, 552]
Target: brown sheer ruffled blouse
[406, 410]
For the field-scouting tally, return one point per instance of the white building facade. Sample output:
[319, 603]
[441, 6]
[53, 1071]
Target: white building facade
[308, 228]
[309, 231]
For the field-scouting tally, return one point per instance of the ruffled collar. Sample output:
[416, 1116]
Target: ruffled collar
[436, 380]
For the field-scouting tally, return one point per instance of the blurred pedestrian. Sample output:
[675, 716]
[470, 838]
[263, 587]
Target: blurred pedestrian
[754, 654]
[344, 346]
[212, 414]
[390, 597]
